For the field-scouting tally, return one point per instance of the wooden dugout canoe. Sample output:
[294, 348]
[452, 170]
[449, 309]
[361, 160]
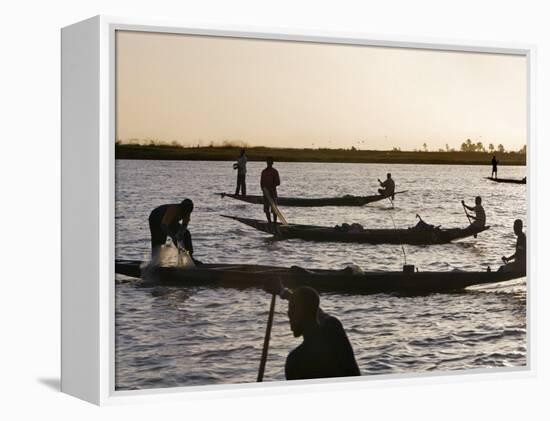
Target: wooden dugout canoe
[419, 234]
[508, 180]
[347, 200]
[346, 281]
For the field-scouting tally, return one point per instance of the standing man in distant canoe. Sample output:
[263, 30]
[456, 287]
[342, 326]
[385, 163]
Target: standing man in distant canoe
[388, 186]
[164, 222]
[479, 217]
[517, 262]
[326, 350]
[240, 166]
[269, 181]
[494, 163]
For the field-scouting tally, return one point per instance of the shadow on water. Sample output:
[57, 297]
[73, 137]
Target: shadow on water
[53, 383]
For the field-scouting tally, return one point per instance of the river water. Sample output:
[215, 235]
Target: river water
[176, 336]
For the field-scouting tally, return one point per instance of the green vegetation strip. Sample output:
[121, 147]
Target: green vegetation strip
[169, 152]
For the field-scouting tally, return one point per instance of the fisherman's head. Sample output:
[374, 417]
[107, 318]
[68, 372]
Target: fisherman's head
[303, 307]
[242, 151]
[478, 200]
[186, 207]
[518, 226]
[269, 161]
[388, 175]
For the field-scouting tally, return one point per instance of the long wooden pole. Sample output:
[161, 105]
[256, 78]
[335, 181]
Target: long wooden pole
[266, 339]
[274, 206]
[466, 212]
[468, 216]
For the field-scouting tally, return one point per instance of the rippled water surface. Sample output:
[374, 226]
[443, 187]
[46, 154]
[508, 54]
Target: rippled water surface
[175, 336]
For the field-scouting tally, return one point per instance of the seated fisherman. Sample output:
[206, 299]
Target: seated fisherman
[388, 186]
[164, 222]
[325, 350]
[517, 262]
[479, 217]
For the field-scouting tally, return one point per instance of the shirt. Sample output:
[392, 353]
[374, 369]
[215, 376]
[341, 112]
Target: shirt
[241, 165]
[270, 180]
[521, 248]
[480, 215]
[389, 185]
[327, 353]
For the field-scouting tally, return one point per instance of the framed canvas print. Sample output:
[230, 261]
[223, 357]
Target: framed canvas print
[292, 209]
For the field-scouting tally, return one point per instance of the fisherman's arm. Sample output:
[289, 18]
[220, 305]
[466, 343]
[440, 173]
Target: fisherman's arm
[188, 245]
[467, 207]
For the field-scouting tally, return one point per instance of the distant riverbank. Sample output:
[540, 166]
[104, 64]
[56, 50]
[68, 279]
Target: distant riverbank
[168, 152]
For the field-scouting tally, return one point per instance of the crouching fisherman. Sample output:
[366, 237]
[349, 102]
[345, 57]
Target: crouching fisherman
[517, 262]
[164, 222]
[479, 217]
[326, 350]
[388, 186]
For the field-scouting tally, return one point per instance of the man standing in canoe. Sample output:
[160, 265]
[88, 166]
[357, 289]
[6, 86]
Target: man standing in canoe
[326, 350]
[517, 262]
[494, 163]
[388, 186]
[269, 181]
[240, 166]
[479, 217]
[164, 222]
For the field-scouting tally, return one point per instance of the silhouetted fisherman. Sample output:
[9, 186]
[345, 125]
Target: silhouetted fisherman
[517, 262]
[270, 180]
[164, 222]
[388, 186]
[479, 217]
[494, 163]
[240, 166]
[326, 350]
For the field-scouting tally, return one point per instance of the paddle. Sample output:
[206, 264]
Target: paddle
[266, 339]
[466, 212]
[467, 215]
[274, 206]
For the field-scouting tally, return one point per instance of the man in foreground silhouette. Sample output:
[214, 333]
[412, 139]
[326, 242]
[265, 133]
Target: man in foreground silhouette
[326, 350]
[517, 262]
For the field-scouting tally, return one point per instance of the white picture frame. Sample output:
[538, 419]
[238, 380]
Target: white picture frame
[88, 145]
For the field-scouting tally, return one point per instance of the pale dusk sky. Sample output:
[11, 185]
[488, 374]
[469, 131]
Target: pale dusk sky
[295, 94]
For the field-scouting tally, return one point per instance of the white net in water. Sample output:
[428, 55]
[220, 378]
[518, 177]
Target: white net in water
[184, 259]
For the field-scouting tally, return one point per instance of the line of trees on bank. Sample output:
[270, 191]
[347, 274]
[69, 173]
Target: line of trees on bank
[466, 146]
[469, 146]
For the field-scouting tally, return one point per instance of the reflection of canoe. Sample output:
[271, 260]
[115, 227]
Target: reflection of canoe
[254, 276]
[311, 202]
[508, 180]
[419, 234]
